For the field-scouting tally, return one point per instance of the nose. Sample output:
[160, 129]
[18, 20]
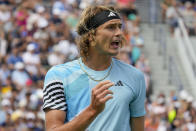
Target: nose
[118, 32]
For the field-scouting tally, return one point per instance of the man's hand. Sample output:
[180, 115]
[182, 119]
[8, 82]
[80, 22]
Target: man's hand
[100, 95]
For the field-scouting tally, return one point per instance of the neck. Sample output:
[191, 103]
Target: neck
[98, 63]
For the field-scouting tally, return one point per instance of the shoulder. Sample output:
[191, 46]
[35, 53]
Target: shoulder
[63, 68]
[58, 72]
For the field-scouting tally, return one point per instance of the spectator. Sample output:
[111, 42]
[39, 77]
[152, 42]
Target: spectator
[5, 13]
[165, 5]
[172, 16]
[31, 59]
[56, 57]
[13, 58]
[19, 76]
[127, 8]
[4, 74]
[3, 45]
[142, 64]
[189, 18]
[21, 16]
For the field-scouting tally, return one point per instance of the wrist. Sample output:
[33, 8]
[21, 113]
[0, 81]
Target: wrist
[92, 112]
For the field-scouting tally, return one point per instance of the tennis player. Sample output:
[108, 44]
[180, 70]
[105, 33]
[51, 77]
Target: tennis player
[95, 92]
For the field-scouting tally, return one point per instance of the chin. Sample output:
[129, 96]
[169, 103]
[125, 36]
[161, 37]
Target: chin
[113, 53]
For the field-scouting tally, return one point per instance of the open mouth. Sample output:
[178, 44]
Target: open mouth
[115, 44]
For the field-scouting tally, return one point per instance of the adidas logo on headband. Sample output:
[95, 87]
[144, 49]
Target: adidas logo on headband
[99, 19]
[111, 14]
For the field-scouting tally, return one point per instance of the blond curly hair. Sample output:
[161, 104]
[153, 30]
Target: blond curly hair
[83, 41]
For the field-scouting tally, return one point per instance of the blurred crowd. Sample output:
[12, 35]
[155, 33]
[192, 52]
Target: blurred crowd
[186, 9]
[174, 113]
[38, 34]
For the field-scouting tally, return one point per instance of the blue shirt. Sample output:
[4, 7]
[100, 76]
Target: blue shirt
[74, 92]
[12, 59]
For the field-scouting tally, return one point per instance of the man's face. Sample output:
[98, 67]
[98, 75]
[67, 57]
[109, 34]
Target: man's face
[109, 37]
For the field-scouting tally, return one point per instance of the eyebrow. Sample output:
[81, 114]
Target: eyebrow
[114, 24]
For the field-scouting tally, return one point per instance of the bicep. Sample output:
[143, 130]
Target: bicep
[137, 123]
[54, 119]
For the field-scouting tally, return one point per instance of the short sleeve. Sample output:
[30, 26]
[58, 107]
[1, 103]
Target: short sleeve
[137, 105]
[53, 91]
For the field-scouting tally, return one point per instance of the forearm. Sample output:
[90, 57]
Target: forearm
[79, 123]
[137, 124]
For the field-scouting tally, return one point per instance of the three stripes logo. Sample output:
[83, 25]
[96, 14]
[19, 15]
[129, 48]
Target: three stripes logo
[111, 14]
[119, 83]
